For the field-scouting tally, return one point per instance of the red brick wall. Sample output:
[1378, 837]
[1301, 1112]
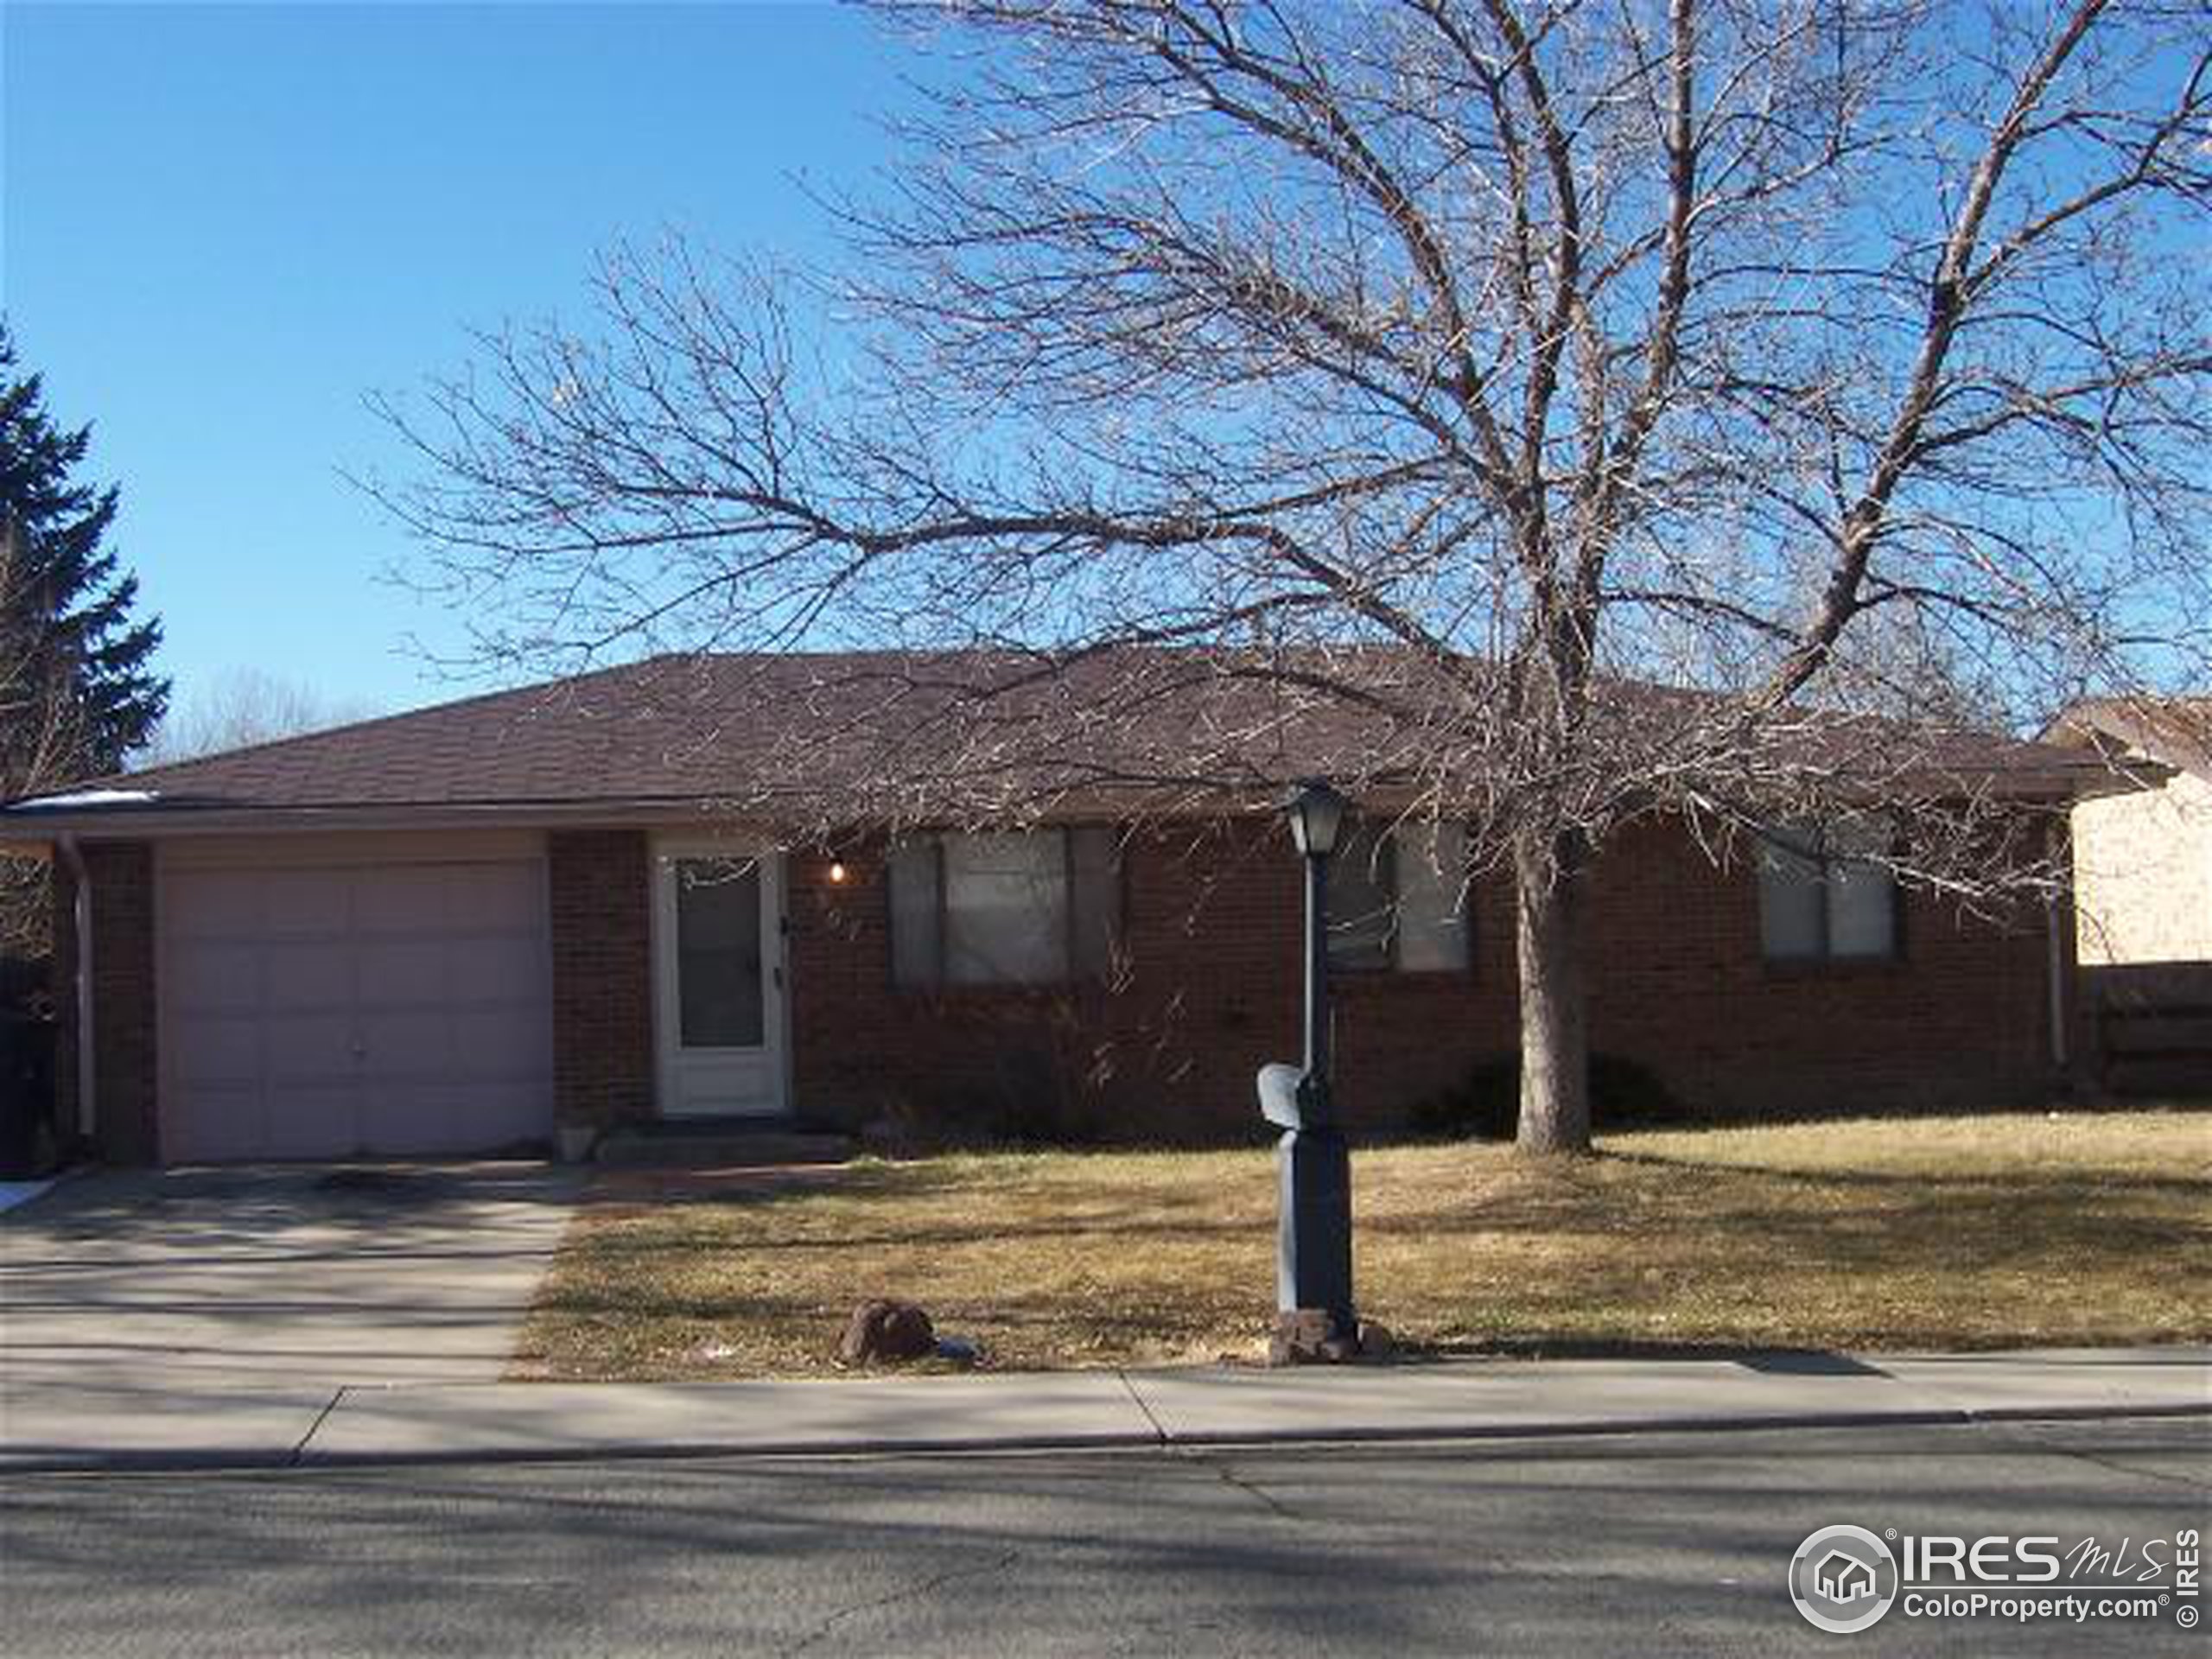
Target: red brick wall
[1961, 1018]
[125, 1062]
[1210, 993]
[602, 975]
[1167, 1052]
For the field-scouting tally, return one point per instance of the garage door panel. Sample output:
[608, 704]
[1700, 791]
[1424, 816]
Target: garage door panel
[312, 1120]
[509, 968]
[512, 1042]
[305, 903]
[403, 973]
[214, 977]
[306, 975]
[450, 1117]
[423, 898]
[401, 1044]
[222, 1117]
[515, 898]
[403, 1119]
[218, 1049]
[217, 903]
[450, 899]
[307, 1047]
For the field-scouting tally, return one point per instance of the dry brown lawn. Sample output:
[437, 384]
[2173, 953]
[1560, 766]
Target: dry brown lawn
[1942, 1233]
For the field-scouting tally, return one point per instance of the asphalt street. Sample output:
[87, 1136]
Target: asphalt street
[1641, 1544]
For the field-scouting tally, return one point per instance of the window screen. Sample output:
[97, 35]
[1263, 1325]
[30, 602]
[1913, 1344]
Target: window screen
[1819, 902]
[1862, 897]
[917, 937]
[1862, 911]
[1094, 901]
[1035, 908]
[1792, 923]
[1005, 909]
[1363, 910]
[1398, 899]
[1430, 867]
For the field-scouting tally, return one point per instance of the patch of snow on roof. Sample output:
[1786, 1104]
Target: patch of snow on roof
[90, 797]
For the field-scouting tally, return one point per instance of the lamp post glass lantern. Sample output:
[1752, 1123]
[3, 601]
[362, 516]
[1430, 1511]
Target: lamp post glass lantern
[1316, 813]
[1314, 1317]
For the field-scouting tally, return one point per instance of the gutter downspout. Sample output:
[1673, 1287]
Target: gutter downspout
[2061, 924]
[81, 915]
[2054, 915]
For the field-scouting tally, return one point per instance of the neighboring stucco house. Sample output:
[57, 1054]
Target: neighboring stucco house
[2143, 856]
[458, 928]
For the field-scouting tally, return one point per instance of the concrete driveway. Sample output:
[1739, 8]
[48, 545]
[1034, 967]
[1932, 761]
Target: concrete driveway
[196, 1311]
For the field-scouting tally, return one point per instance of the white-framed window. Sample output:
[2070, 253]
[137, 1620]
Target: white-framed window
[1398, 899]
[1822, 898]
[1033, 907]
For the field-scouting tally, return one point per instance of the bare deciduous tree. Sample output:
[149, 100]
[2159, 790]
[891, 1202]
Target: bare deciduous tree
[1838, 366]
[246, 706]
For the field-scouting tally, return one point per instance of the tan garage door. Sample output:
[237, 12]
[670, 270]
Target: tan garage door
[361, 1008]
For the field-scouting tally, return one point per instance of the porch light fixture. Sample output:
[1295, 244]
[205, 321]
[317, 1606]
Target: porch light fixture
[837, 872]
[1314, 1316]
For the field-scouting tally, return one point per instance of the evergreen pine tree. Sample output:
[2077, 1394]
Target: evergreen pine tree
[81, 662]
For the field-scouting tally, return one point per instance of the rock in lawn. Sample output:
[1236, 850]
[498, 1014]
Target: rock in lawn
[888, 1333]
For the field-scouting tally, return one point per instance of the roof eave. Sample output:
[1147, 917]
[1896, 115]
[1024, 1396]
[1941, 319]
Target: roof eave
[165, 820]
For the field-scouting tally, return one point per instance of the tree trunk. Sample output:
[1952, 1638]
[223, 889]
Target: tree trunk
[1554, 1026]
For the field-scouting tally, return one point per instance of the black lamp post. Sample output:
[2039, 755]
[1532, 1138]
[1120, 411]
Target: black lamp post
[1314, 1317]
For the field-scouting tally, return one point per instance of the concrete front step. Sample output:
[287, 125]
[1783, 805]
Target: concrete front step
[716, 1145]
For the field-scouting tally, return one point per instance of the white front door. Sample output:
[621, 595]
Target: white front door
[719, 980]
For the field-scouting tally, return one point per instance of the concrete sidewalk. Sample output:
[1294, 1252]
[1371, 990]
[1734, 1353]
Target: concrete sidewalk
[1450, 1400]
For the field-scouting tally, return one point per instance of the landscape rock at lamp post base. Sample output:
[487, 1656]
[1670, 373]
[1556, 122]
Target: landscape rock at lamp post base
[1311, 1335]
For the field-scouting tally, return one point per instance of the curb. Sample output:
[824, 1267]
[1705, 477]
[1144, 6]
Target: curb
[305, 1459]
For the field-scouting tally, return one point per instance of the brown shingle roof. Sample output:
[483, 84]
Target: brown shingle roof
[2174, 732]
[854, 736]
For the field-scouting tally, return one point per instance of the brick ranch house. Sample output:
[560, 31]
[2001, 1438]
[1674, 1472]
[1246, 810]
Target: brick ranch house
[566, 908]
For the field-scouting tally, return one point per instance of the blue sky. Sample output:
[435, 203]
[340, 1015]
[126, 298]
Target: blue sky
[222, 225]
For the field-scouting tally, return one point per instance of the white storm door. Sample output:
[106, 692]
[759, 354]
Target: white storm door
[719, 982]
